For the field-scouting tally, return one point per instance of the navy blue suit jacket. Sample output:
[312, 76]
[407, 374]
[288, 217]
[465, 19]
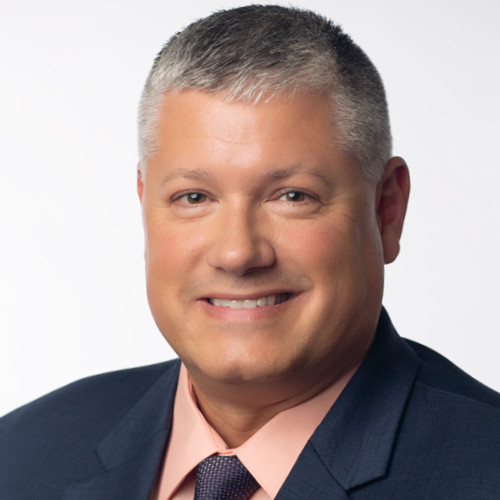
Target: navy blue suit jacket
[409, 425]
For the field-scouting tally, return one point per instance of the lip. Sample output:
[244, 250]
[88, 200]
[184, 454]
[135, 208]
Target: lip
[251, 311]
[248, 296]
[247, 303]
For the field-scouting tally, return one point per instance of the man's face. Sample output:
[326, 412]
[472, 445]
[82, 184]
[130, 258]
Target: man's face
[264, 259]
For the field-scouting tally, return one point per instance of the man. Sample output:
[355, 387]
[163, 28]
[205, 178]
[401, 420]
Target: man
[271, 203]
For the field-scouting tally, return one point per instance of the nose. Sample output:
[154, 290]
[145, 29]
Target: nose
[240, 243]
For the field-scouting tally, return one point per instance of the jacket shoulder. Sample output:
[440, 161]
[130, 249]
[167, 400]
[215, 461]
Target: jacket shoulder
[54, 438]
[447, 443]
[450, 434]
[103, 394]
[439, 373]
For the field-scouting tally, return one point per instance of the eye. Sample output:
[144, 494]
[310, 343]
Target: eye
[193, 198]
[294, 196]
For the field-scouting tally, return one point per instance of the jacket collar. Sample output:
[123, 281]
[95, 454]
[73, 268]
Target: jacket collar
[353, 444]
[131, 453]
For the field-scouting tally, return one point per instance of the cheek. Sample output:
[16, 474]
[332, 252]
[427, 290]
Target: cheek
[170, 249]
[167, 268]
[164, 271]
[316, 246]
[342, 259]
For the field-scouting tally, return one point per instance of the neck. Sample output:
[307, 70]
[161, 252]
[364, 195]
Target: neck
[238, 411]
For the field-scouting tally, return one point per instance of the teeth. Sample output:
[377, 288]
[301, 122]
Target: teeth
[270, 300]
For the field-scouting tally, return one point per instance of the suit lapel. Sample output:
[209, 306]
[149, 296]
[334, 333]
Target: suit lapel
[131, 453]
[310, 478]
[353, 444]
[132, 480]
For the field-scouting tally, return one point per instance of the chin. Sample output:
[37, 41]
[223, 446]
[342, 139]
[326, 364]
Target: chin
[242, 369]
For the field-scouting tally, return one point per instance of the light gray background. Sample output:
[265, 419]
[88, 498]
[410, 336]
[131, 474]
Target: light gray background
[72, 294]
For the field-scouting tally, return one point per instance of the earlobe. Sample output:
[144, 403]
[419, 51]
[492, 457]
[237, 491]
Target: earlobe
[392, 199]
[140, 182]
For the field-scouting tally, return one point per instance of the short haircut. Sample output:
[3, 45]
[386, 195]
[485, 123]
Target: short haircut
[257, 52]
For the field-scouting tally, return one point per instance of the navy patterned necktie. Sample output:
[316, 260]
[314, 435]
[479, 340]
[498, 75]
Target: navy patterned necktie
[223, 477]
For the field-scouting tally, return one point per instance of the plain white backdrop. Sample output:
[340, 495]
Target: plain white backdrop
[72, 293]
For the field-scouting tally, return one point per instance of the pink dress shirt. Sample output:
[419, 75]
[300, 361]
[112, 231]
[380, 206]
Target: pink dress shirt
[269, 454]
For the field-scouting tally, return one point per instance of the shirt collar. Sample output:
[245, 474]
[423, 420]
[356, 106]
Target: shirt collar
[269, 454]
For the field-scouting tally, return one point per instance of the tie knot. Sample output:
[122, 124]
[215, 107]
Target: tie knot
[222, 477]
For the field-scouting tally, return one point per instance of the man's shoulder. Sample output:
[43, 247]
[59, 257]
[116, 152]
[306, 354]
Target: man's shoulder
[452, 420]
[439, 375]
[56, 435]
[443, 439]
[105, 393]
[83, 410]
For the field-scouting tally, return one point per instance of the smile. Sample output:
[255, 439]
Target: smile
[269, 300]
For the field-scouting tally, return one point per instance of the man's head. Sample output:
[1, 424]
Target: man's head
[257, 52]
[265, 238]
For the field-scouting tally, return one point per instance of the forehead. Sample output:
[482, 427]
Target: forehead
[204, 137]
[301, 122]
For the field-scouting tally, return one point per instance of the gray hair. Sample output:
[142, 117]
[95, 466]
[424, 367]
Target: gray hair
[255, 52]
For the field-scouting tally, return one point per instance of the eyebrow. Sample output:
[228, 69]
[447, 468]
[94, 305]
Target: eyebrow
[283, 173]
[278, 173]
[196, 174]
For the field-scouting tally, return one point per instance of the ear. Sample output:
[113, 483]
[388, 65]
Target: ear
[393, 192]
[140, 182]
